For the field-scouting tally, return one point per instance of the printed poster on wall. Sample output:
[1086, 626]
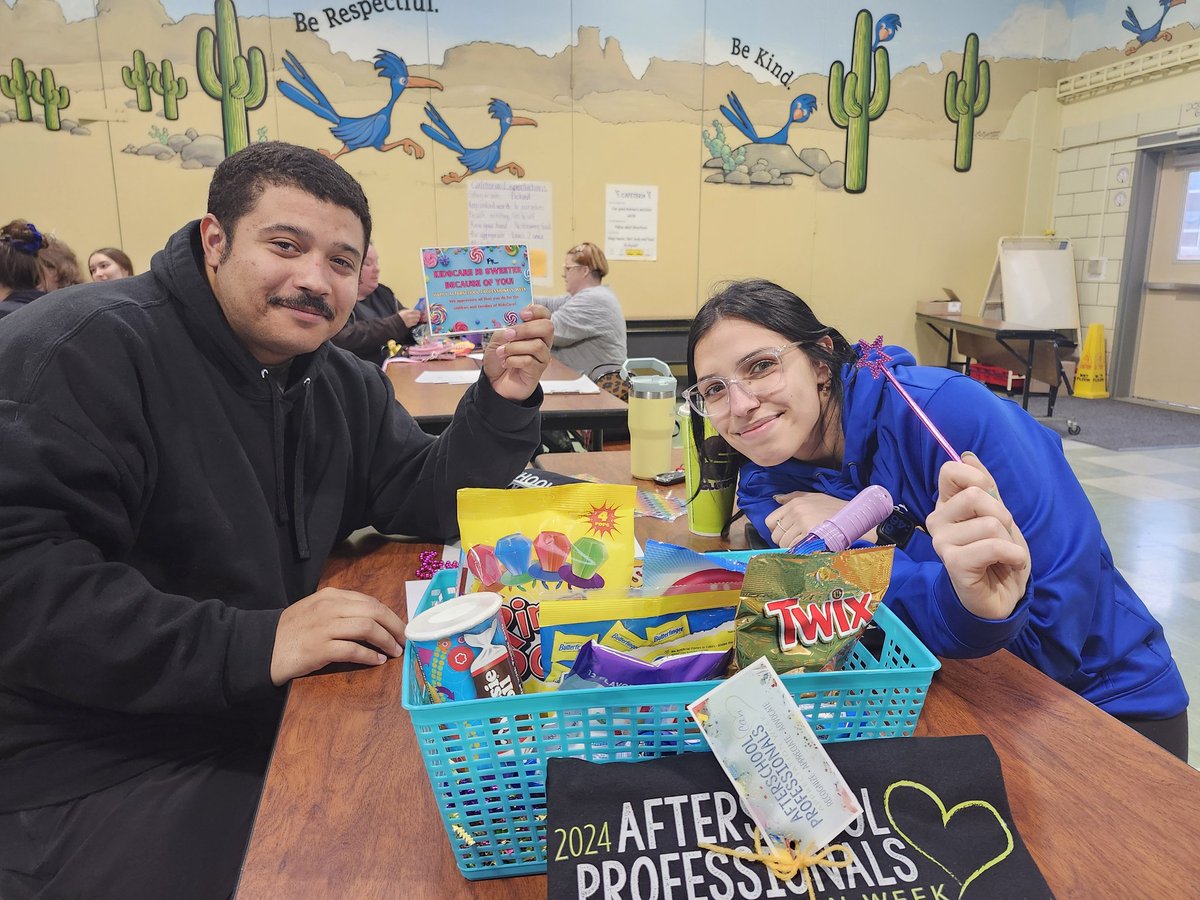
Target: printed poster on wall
[475, 289]
[631, 222]
[514, 212]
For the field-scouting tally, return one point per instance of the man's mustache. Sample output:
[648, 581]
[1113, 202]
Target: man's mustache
[305, 302]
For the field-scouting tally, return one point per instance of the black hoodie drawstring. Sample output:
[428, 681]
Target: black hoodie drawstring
[277, 426]
[297, 517]
[300, 519]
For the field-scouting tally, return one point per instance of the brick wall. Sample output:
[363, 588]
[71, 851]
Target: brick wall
[1095, 178]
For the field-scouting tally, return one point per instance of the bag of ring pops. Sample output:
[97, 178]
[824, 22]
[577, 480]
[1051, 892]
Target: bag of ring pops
[545, 542]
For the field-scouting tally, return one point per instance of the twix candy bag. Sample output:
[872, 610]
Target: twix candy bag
[806, 612]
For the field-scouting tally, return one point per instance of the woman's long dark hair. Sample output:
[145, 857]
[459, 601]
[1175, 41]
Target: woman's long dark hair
[767, 304]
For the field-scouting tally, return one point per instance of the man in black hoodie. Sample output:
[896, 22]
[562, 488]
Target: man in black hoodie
[179, 453]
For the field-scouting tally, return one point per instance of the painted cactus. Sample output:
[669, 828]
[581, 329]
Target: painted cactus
[719, 147]
[164, 83]
[137, 78]
[50, 97]
[966, 98]
[239, 82]
[16, 89]
[853, 104]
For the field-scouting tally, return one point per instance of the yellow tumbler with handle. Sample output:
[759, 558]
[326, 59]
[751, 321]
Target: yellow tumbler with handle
[651, 416]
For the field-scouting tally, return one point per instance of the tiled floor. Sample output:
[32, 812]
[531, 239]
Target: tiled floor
[1148, 502]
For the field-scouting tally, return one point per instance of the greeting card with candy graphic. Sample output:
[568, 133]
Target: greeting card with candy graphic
[538, 542]
[475, 289]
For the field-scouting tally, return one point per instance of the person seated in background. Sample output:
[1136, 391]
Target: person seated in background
[180, 453]
[109, 264]
[20, 243]
[808, 429]
[59, 265]
[377, 317]
[589, 326]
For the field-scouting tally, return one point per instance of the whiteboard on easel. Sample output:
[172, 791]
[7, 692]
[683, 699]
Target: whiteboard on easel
[1033, 283]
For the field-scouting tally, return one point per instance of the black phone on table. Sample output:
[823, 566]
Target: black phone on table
[668, 478]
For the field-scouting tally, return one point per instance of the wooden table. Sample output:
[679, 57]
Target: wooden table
[612, 467]
[347, 810]
[1036, 352]
[433, 405]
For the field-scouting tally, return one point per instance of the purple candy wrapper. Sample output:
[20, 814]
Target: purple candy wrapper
[598, 666]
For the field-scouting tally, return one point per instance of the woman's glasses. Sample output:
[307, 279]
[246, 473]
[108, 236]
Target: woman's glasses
[756, 374]
[567, 269]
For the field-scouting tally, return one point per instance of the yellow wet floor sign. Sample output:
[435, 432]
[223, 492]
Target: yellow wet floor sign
[1090, 383]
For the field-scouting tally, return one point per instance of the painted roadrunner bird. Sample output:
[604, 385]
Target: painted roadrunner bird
[885, 29]
[1154, 32]
[801, 110]
[483, 159]
[363, 131]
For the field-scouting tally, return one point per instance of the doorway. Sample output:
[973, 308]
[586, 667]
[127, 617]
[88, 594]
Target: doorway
[1160, 287]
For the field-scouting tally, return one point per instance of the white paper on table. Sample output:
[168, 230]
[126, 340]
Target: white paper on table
[454, 376]
[580, 385]
[478, 355]
[415, 590]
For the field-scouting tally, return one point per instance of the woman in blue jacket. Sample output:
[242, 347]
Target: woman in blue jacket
[809, 430]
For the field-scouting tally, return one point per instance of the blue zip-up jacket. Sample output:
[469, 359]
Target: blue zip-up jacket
[1080, 622]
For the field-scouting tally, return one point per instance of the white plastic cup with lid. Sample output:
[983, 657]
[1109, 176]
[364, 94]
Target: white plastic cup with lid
[461, 648]
[651, 416]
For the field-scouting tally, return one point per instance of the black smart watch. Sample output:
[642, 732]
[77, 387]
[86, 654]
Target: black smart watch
[896, 528]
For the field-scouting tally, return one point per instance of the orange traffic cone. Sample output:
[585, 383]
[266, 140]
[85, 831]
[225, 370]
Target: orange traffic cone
[1090, 383]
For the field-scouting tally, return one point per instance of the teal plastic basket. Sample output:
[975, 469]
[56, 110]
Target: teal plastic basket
[486, 759]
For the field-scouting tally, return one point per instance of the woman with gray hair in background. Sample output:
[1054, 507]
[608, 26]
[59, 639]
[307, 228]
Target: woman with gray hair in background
[589, 326]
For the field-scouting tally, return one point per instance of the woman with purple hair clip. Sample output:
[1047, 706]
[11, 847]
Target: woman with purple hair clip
[812, 421]
[20, 242]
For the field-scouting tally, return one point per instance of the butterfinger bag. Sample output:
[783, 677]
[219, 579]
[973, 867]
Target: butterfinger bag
[684, 623]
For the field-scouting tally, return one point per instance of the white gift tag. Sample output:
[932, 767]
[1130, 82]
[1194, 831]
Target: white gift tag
[788, 784]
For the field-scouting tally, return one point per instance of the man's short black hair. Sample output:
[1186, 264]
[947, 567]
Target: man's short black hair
[240, 180]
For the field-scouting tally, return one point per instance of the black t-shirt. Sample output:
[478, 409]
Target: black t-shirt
[936, 823]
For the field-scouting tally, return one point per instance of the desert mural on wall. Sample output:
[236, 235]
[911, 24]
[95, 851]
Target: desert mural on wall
[722, 104]
[219, 49]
